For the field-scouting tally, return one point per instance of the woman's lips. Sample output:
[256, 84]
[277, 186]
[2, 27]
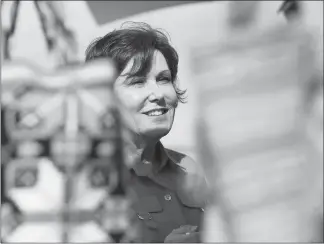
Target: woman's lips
[156, 112]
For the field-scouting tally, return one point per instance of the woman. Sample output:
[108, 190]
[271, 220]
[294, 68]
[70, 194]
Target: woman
[147, 66]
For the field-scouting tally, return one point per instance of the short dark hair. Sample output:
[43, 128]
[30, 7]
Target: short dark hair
[139, 41]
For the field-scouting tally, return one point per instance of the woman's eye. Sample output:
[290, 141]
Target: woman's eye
[164, 80]
[137, 82]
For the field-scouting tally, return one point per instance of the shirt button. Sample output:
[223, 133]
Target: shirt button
[167, 197]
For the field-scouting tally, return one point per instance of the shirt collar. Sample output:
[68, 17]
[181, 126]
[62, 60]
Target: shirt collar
[161, 161]
[166, 171]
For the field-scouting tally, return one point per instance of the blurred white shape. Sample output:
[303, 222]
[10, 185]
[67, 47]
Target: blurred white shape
[312, 19]
[37, 233]
[95, 102]
[254, 122]
[260, 180]
[88, 232]
[46, 107]
[277, 222]
[214, 227]
[46, 196]
[28, 148]
[84, 196]
[253, 117]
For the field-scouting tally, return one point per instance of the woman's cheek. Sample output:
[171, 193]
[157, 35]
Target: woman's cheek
[131, 99]
[171, 97]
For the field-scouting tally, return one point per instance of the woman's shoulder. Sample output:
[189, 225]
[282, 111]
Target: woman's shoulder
[187, 163]
[195, 183]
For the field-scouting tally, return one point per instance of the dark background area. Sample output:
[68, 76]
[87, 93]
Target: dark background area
[108, 11]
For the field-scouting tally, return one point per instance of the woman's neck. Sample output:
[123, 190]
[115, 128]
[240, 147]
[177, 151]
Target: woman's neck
[145, 150]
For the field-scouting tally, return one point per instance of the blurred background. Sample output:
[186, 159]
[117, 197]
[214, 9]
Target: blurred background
[196, 29]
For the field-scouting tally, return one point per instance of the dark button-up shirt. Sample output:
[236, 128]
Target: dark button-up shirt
[162, 203]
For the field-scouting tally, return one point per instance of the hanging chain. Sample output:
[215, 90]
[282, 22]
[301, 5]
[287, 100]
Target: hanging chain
[8, 33]
[60, 39]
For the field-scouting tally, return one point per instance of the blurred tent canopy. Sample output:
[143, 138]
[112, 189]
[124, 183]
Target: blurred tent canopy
[108, 11]
[290, 8]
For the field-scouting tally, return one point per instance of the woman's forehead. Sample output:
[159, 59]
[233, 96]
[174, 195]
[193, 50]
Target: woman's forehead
[159, 64]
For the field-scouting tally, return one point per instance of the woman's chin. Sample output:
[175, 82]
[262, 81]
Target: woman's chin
[157, 132]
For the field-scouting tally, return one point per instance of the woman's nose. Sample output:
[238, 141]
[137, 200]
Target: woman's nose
[155, 93]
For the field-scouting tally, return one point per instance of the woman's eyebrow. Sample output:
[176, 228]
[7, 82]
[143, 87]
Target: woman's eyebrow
[130, 78]
[164, 73]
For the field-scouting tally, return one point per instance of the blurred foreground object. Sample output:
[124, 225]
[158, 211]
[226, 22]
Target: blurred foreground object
[254, 111]
[64, 177]
[63, 171]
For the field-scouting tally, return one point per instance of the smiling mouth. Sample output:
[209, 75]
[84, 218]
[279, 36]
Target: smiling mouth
[156, 112]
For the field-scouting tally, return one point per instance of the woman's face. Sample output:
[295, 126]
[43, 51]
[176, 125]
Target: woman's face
[150, 101]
